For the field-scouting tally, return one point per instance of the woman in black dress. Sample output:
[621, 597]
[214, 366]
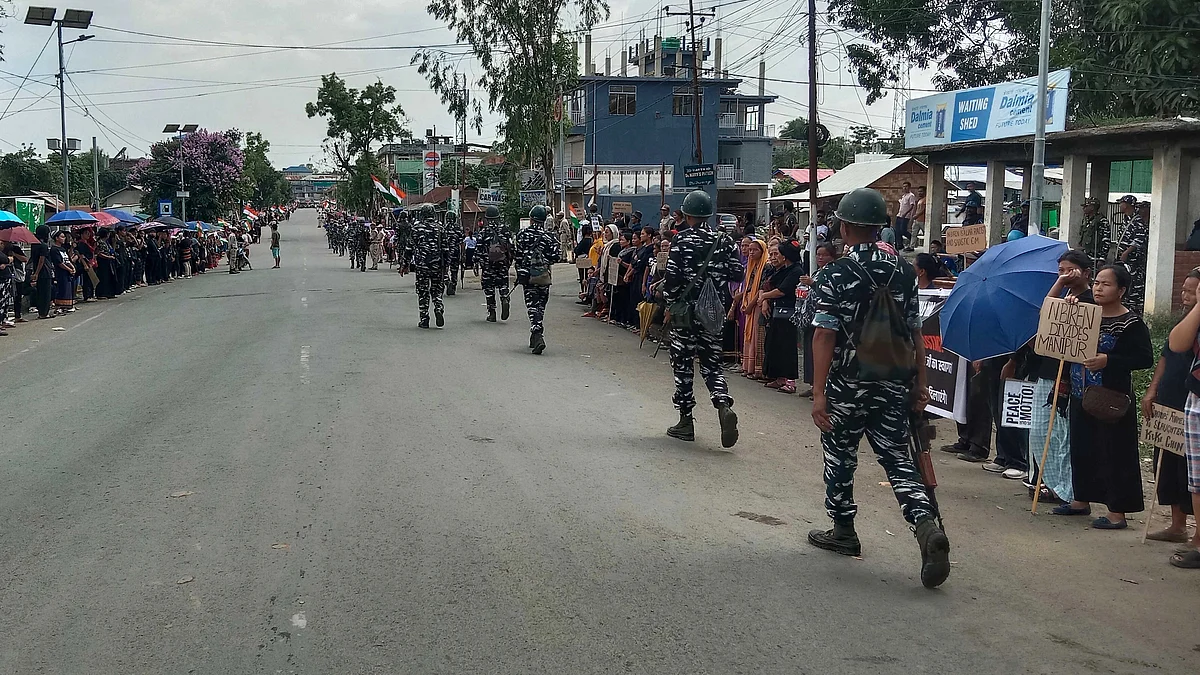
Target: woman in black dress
[781, 360]
[40, 272]
[1104, 455]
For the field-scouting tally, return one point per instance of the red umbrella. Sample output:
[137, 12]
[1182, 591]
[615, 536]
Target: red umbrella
[19, 235]
[103, 220]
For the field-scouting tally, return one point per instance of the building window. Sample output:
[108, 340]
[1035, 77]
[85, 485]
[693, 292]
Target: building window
[682, 102]
[622, 99]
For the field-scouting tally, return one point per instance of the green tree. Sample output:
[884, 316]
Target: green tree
[863, 138]
[22, 172]
[212, 166]
[1129, 58]
[264, 185]
[356, 191]
[795, 129]
[356, 119]
[82, 177]
[527, 63]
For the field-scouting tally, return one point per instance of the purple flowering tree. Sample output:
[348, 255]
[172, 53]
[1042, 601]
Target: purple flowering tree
[212, 173]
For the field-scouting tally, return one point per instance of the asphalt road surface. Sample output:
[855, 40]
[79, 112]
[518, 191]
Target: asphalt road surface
[277, 472]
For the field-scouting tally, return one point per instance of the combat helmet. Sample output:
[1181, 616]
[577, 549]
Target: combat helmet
[492, 213]
[863, 207]
[697, 204]
[538, 214]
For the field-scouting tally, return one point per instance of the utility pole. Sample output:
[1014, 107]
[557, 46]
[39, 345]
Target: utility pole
[1038, 184]
[692, 22]
[95, 176]
[812, 134]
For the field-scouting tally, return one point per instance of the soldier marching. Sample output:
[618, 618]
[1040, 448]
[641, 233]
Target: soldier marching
[536, 250]
[427, 254]
[495, 243]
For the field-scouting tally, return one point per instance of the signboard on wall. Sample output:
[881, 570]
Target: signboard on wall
[985, 113]
[490, 196]
[531, 198]
[699, 174]
[622, 207]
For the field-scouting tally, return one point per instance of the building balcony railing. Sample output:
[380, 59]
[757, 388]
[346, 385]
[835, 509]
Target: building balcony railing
[576, 117]
[574, 175]
[728, 175]
[728, 126]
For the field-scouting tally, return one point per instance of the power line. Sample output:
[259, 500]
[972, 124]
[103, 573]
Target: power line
[24, 79]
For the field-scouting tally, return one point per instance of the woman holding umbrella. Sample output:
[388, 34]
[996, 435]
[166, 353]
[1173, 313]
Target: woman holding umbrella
[1104, 439]
[64, 274]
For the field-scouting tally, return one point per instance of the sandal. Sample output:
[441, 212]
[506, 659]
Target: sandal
[1187, 561]
[787, 389]
[1169, 536]
[773, 384]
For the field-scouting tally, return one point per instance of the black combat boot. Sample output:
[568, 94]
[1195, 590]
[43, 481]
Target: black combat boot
[437, 316]
[685, 430]
[424, 323]
[504, 309]
[538, 343]
[729, 430]
[841, 539]
[935, 553]
[492, 314]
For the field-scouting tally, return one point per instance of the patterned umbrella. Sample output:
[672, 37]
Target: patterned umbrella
[102, 220]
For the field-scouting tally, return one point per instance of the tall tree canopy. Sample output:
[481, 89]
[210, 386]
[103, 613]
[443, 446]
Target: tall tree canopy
[1130, 58]
[356, 119]
[212, 166]
[264, 185]
[527, 61]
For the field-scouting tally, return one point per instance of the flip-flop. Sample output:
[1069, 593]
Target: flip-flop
[1187, 561]
[1103, 523]
[1164, 535]
[773, 384]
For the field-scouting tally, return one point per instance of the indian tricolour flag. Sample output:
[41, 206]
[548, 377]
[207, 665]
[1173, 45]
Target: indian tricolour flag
[398, 193]
[386, 190]
[574, 217]
[250, 213]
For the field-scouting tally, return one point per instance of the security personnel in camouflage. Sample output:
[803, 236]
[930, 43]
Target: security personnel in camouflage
[403, 236]
[536, 250]
[847, 404]
[454, 234]
[426, 254]
[686, 272]
[1094, 234]
[496, 246]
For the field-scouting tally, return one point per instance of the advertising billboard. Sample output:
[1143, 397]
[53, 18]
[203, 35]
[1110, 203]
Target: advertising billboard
[985, 113]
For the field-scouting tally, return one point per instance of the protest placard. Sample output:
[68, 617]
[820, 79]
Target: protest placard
[1066, 331]
[1017, 404]
[1165, 430]
[966, 238]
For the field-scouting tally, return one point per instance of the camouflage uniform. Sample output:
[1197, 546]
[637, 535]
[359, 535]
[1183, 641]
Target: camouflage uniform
[425, 253]
[454, 235]
[351, 237]
[1094, 238]
[688, 250]
[495, 274]
[1136, 235]
[536, 248]
[879, 409]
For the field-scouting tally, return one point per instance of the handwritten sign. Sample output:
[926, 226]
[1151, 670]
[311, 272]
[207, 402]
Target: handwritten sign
[622, 207]
[966, 238]
[1017, 403]
[1165, 430]
[1066, 331]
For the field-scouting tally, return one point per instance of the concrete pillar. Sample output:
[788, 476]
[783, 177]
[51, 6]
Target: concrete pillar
[993, 208]
[624, 61]
[1074, 192]
[1098, 182]
[762, 78]
[717, 59]
[935, 204]
[1026, 181]
[607, 66]
[1168, 224]
[658, 56]
[590, 68]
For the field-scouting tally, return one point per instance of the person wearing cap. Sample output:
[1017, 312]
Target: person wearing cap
[856, 394]
[496, 245]
[1094, 231]
[1020, 221]
[1132, 242]
[427, 254]
[453, 235]
[972, 206]
[665, 222]
[699, 255]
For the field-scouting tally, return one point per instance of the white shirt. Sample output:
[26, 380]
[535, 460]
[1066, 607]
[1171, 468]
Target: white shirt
[908, 204]
[469, 242]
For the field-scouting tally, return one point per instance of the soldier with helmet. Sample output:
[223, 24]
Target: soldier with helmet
[453, 233]
[403, 236]
[535, 251]
[426, 253]
[870, 381]
[699, 254]
[1132, 243]
[1094, 234]
[496, 245]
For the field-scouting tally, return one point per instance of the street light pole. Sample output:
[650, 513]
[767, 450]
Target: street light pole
[1038, 184]
[181, 129]
[62, 112]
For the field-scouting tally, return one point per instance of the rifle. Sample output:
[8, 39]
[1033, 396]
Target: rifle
[918, 445]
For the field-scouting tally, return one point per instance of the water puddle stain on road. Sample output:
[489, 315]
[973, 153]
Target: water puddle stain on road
[480, 439]
[229, 295]
[759, 518]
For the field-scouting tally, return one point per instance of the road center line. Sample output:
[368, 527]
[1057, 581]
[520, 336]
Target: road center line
[304, 364]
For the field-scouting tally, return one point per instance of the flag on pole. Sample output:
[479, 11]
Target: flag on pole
[250, 214]
[397, 192]
[386, 190]
[574, 216]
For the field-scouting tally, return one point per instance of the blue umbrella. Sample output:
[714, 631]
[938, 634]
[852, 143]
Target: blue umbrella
[124, 216]
[66, 218]
[8, 220]
[994, 307]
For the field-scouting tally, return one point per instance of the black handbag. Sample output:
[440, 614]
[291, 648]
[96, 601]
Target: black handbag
[782, 310]
[1106, 405]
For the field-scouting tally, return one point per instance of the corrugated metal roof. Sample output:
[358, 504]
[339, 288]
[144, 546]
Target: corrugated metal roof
[856, 175]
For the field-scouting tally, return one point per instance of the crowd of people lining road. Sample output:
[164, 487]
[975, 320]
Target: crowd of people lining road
[66, 267]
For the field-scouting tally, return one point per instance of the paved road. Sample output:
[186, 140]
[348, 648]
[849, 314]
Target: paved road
[365, 497]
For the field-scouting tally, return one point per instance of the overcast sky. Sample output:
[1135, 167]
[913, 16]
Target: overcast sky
[132, 85]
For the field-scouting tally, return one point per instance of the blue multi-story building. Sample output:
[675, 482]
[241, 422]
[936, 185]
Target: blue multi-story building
[633, 135]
